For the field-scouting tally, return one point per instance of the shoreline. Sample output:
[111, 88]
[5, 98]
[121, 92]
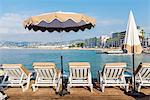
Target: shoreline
[84, 49]
[57, 48]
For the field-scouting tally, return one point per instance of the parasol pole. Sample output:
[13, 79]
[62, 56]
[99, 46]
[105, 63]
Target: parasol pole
[133, 65]
[63, 89]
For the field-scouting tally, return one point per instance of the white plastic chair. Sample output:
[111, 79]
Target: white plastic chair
[142, 75]
[80, 75]
[46, 75]
[113, 75]
[16, 75]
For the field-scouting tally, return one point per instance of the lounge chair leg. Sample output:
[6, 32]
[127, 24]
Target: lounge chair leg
[139, 88]
[91, 87]
[23, 88]
[3, 96]
[34, 88]
[57, 88]
[127, 88]
[68, 88]
[121, 86]
[103, 87]
[28, 81]
[58, 85]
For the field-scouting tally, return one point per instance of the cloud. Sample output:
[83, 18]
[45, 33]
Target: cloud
[12, 23]
[109, 22]
[11, 28]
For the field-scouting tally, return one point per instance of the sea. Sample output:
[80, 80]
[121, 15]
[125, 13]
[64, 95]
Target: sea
[96, 60]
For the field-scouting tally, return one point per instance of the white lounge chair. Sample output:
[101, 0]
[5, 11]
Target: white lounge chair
[80, 75]
[3, 96]
[16, 75]
[113, 75]
[46, 75]
[142, 75]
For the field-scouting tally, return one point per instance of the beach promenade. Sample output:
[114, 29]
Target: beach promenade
[81, 93]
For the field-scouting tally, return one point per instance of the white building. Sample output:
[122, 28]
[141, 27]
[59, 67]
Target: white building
[48, 47]
[146, 42]
[103, 40]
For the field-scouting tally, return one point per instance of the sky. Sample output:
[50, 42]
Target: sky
[111, 16]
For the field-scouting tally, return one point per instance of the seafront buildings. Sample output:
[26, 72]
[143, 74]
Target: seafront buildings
[96, 42]
[103, 41]
[117, 38]
[146, 42]
[92, 42]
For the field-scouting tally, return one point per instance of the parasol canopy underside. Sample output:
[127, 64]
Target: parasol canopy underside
[59, 21]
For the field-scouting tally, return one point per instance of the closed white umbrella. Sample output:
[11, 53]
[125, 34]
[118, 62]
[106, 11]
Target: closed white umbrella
[132, 37]
[132, 42]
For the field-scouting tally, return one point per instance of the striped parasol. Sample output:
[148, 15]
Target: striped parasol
[59, 21]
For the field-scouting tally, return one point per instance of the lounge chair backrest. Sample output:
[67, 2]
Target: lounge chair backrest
[15, 71]
[143, 70]
[45, 70]
[79, 70]
[113, 70]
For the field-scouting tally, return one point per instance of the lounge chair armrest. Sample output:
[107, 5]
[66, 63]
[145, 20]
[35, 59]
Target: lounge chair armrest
[128, 69]
[58, 72]
[100, 73]
[4, 79]
[30, 75]
[58, 76]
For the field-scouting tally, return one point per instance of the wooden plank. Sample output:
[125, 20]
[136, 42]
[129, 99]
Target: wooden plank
[39, 72]
[10, 73]
[81, 73]
[77, 72]
[51, 72]
[85, 72]
[111, 73]
[143, 71]
[107, 72]
[119, 72]
[73, 73]
[16, 74]
[147, 75]
[48, 73]
[44, 73]
[19, 71]
[115, 73]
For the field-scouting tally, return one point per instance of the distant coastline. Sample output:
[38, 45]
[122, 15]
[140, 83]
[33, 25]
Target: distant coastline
[53, 48]
[145, 50]
[75, 48]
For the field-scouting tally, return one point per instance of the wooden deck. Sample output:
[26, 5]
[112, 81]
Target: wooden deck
[80, 93]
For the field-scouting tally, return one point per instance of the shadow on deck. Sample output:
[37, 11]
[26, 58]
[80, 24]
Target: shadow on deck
[77, 93]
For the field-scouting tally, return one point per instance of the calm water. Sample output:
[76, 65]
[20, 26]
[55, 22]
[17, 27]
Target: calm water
[28, 56]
